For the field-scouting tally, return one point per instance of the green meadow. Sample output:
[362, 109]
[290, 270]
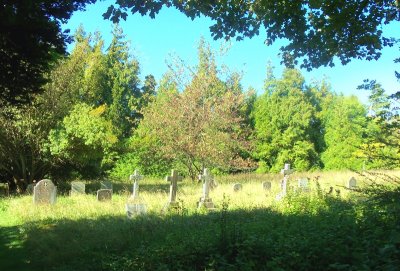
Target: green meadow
[248, 230]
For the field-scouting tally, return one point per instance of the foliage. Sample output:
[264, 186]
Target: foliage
[85, 138]
[282, 118]
[317, 31]
[198, 127]
[30, 41]
[344, 124]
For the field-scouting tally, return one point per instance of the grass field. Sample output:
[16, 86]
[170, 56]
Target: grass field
[249, 230]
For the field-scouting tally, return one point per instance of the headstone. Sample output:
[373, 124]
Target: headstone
[106, 185]
[4, 189]
[303, 185]
[29, 188]
[205, 200]
[267, 185]
[352, 183]
[44, 192]
[237, 187]
[104, 194]
[77, 188]
[135, 205]
[173, 188]
[136, 177]
[286, 171]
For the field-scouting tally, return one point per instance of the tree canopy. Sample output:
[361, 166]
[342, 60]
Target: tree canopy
[317, 31]
[30, 39]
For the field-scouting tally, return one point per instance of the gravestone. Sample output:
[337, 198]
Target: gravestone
[286, 171]
[303, 185]
[44, 192]
[77, 188]
[352, 183]
[104, 195]
[4, 189]
[173, 188]
[237, 187]
[106, 185]
[267, 185]
[205, 200]
[135, 205]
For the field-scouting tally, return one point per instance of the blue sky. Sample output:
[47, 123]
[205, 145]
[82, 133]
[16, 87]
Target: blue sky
[154, 40]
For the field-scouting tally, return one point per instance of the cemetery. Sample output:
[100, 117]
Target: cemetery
[133, 216]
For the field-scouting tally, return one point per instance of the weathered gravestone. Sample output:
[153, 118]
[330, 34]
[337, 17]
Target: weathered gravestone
[352, 183]
[237, 187]
[205, 200]
[77, 188]
[30, 187]
[4, 189]
[44, 192]
[135, 205]
[173, 188]
[267, 186]
[106, 185]
[286, 171]
[303, 185]
[104, 195]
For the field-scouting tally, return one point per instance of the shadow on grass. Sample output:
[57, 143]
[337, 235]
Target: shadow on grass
[334, 238]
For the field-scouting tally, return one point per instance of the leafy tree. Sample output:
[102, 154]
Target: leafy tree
[198, 126]
[30, 40]
[85, 138]
[282, 118]
[317, 31]
[382, 142]
[344, 124]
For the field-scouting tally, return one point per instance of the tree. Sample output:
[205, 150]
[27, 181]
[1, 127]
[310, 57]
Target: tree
[283, 117]
[30, 41]
[317, 31]
[199, 126]
[344, 124]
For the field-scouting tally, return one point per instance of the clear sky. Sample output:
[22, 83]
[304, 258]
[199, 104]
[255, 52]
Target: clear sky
[154, 40]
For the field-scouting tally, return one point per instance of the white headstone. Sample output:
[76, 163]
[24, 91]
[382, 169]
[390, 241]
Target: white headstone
[237, 187]
[352, 183]
[104, 195]
[135, 177]
[77, 188]
[205, 200]
[303, 184]
[44, 192]
[173, 188]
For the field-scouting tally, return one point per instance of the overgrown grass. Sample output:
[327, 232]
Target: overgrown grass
[249, 230]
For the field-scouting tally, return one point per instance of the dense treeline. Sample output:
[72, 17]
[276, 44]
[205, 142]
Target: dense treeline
[98, 118]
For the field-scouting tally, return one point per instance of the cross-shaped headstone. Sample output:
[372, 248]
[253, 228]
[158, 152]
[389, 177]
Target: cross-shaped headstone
[173, 179]
[207, 179]
[286, 171]
[136, 177]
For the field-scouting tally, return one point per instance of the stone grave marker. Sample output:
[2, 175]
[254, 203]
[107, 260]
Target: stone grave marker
[205, 200]
[303, 185]
[135, 205]
[106, 185]
[77, 188]
[4, 189]
[286, 171]
[173, 188]
[352, 183]
[237, 187]
[267, 185]
[44, 192]
[104, 195]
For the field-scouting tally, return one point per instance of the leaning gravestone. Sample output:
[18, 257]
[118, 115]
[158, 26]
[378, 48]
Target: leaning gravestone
[267, 185]
[104, 194]
[4, 189]
[44, 192]
[106, 185]
[135, 204]
[352, 183]
[237, 187]
[205, 200]
[77, 188]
